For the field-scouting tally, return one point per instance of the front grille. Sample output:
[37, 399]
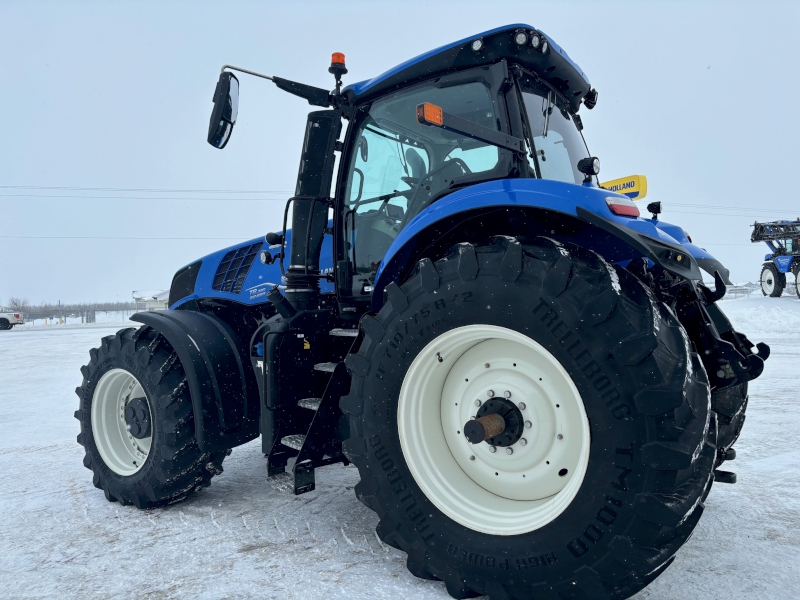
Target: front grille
[233, 269]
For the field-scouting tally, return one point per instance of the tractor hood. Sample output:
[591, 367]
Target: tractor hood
[236, 273]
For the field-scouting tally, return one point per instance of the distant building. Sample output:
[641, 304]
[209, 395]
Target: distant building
[151, 300]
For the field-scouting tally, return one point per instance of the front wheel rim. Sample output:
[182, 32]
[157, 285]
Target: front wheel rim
[493, 492]
[767, 282]
[121, 452]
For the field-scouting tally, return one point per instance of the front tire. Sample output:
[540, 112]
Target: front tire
[157, 465]
[772, 281]
[605, 350]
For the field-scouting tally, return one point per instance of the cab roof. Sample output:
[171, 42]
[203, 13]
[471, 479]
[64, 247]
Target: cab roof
[554, 66]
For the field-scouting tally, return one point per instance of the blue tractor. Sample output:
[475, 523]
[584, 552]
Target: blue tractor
[535, 385]
[783, 239]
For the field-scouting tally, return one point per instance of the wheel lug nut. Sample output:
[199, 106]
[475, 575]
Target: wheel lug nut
[472, 458]
[490, 393]
[492, 449]
[521, 406]
[528, 424]
[477, 402]
[507, 394]
[561, 437]
[522, 441]
[509, 451]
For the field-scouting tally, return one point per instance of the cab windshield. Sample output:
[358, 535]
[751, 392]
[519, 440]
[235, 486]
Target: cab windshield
[557, 143]
[399, 166]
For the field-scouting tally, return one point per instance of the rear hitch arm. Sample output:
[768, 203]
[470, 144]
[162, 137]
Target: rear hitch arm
[726, 354]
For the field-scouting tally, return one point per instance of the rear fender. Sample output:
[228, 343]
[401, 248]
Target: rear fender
[707, 263]
[223, 387]
[529, 207]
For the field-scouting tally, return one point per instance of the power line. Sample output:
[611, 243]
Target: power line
[759, 209]
[92, 237]
[164, 190]
[146, 198]
[721, 214]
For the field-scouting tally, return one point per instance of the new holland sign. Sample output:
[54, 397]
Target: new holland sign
[633, 186]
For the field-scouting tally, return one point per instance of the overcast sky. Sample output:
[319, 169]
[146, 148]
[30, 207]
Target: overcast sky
[102, 101]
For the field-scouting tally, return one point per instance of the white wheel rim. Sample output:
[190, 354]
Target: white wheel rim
[767, 281]
[122, 453]
[438, 398]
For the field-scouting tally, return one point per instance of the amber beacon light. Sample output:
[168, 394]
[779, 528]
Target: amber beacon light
[337, 67]
[430, 114]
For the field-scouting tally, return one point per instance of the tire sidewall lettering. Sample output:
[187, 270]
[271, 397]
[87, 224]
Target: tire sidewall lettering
[607, 407]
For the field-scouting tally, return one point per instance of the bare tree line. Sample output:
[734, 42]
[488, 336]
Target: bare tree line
[16, 303]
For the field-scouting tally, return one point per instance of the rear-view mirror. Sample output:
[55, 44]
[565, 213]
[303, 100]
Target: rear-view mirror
[226, 108]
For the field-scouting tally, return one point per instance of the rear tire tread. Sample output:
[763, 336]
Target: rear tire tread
[676, 425]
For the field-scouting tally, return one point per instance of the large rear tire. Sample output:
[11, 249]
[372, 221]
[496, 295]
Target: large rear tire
[621, 436]
[730, 405]
[136, 371]
[797, 278]
[773, 281]
[4, 325]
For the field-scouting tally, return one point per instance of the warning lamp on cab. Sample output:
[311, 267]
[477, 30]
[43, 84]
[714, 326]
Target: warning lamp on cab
[337, 69]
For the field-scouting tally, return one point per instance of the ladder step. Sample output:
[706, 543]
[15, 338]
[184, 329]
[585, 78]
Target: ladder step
[310, 403]
[344, 332]
[295, 442]
[325, 367]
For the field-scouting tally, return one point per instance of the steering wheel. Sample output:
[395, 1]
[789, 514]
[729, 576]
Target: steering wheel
[418, 198]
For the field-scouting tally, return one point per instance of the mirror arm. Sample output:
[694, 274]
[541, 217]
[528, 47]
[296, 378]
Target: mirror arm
[232, 68]
[315, 96]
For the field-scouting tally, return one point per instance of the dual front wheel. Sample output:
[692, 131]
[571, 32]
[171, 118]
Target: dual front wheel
[137, 425]
[619, 439]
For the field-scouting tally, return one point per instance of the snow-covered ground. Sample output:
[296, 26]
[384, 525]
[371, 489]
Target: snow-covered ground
[246, 537]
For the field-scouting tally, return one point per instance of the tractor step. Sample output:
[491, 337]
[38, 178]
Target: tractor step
[724, 476]
[295, 442]
[328, 367]
[729, 454]
[344, 332]
[310, 403]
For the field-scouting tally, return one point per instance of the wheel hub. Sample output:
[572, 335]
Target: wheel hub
[512, 423]
[137, 418]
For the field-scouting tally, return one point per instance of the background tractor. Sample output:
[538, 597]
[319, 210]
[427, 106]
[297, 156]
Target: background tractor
[783, 239]
[533, 382]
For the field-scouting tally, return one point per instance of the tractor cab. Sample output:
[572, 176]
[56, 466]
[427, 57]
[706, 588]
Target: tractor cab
[509, 101]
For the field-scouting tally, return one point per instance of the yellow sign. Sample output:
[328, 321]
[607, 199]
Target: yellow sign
[633, 186]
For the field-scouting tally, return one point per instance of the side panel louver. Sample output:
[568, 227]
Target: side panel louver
[233, 269]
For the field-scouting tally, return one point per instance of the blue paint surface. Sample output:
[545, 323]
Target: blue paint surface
[260, 279]
[538, 193]
[784, 263]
